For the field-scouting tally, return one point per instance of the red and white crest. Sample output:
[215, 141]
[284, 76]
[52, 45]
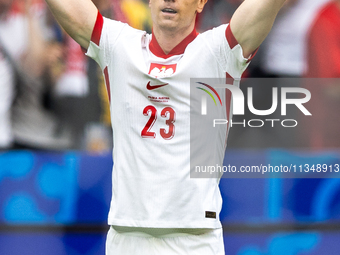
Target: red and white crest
[160, 71]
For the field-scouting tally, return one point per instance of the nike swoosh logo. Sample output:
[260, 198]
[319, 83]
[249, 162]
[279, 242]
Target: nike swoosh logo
[149, 87]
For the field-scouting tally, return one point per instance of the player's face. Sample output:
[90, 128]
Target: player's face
[175, 14]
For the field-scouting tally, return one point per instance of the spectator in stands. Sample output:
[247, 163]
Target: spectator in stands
[282, 55]
[284, 50]
[6, 97]
[80, 85]
[138, 14]
[7, 82]
[324, 62]
[22, 38]
[216, 12]
[324, 43]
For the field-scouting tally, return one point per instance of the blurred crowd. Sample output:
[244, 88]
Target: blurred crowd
[52, 97]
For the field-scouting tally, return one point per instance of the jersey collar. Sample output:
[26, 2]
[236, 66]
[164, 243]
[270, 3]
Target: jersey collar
[179, 48]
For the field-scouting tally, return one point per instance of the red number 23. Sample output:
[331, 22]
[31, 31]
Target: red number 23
[168, 113]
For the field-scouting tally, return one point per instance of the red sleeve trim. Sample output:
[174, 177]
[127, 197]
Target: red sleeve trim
[97, 29]
[107, 83]
[230, 37]
[252, 55]
[233, 42]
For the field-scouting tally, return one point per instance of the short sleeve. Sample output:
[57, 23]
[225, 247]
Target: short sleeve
[104, 37]
[227, 51]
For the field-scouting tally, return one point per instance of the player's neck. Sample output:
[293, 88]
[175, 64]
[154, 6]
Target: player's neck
[169, 39]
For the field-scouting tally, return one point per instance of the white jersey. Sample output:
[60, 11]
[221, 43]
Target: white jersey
[150, 110]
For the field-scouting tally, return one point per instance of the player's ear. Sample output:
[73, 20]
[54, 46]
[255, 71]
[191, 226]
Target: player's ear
[200, 5]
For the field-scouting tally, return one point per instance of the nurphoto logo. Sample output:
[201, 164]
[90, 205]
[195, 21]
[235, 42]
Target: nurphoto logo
[238, 104]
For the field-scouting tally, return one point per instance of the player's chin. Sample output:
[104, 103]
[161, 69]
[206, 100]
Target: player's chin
[168, 24]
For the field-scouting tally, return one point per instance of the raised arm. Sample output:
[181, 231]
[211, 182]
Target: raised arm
[77, 17]
[252, 22]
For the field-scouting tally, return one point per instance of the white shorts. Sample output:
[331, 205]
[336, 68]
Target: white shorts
[145, 241]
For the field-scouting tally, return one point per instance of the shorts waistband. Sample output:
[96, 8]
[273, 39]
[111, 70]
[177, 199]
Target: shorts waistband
[160, 232]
